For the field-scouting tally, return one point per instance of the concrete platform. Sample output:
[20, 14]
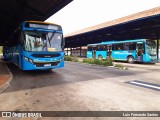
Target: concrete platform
[5, 76]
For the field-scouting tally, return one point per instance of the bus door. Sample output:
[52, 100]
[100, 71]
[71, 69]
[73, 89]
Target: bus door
[20, 50]
[94, 51]
[109, 50]
[19, 60]
[140, 51]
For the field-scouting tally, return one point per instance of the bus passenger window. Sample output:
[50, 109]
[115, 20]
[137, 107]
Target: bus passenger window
[119, 47]
[98, 48]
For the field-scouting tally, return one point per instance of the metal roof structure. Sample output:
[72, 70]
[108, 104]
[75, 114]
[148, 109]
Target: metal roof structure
[145, 24]
[13, 12]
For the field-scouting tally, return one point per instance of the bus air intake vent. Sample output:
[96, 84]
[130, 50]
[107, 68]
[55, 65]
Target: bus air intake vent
[45, 55]
[43, 64]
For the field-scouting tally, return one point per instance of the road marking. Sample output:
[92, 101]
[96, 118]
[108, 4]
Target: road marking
[145, 84]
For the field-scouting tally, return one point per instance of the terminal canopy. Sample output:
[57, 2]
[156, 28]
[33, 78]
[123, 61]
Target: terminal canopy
[13, 12]
[142, 25]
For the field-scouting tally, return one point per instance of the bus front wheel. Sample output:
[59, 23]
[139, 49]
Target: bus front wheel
[130, 59]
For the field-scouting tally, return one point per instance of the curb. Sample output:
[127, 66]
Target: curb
[113, 67]
[7, 84]
[139, 66]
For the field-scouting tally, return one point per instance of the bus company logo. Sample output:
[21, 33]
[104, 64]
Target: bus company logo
[6, 114]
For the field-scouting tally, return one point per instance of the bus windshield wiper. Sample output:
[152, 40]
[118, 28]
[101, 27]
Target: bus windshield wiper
[50, 38]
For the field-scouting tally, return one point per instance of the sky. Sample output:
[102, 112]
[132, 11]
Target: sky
[80, 14]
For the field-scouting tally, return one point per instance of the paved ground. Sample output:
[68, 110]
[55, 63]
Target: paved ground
[5, 76]
[3, 73]
[81, 87]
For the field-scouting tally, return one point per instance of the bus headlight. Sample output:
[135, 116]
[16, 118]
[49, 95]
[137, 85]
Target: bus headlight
[29, 60]
[26, 58]
[61, 59]
[149, 56]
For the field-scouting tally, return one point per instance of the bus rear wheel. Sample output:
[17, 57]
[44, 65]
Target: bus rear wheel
[130, 59]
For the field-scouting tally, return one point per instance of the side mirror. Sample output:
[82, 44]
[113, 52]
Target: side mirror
[63, 41]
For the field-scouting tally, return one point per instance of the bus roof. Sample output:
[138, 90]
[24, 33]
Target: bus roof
[41, 22]
[115, 42]
[41, 25]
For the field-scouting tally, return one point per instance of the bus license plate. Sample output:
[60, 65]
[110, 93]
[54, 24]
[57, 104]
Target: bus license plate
[46, 65]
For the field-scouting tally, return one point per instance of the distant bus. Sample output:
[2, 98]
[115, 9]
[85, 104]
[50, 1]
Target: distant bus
[140, 50]
[36, 45]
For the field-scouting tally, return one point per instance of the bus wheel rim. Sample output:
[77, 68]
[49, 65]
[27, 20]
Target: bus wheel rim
[130, 59]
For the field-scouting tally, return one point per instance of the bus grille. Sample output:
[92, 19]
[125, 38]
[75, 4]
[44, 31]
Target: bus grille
[43, 64]
[45, 55]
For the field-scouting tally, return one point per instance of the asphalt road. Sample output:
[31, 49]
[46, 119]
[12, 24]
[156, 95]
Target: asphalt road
[81, 87]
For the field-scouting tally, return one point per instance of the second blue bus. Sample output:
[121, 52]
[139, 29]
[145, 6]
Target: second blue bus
[140, 50]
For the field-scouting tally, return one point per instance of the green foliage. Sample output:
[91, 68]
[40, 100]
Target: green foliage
[98, 62]
[107, 62]
[119, 66]
[88, 60]
[67, 58]
[109, 59]
[1, 49]
[85, 60]
[74, 59]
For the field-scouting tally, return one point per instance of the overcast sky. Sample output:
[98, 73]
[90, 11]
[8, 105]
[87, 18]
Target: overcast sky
[80, 14]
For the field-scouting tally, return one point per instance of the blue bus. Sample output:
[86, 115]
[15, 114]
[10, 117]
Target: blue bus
[36, 45]
[140, 50]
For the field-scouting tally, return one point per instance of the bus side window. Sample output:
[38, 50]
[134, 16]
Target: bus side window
[101, 48]
[132, 46]
[129, 46]
[98, 48]
[119, 47]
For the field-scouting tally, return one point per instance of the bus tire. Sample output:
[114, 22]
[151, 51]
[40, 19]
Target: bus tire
[130, 59]
[100, 57]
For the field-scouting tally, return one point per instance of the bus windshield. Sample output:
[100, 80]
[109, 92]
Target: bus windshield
[42, 41]
[151, 47]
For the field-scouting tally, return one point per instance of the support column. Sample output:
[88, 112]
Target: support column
[67, 51]
[157, 46]
[80, 51]
[71, 51]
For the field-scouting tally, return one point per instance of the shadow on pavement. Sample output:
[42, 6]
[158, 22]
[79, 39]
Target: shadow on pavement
[24, 80]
